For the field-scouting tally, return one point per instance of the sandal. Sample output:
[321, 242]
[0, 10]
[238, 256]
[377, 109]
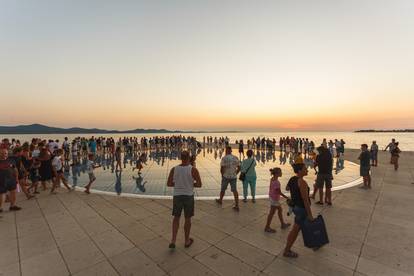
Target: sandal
[189, 244]
[270, 230]
[218, 201]
[290, 254]
[236, 208]
[171, 246]
[319, 203]
[285, 225]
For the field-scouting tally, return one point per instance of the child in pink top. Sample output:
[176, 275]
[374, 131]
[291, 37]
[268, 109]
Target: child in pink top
[274, 198]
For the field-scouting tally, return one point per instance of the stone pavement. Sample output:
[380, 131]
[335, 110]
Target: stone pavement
[371, 233]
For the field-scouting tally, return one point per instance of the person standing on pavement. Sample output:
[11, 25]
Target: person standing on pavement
[229, 168]
[184, 178]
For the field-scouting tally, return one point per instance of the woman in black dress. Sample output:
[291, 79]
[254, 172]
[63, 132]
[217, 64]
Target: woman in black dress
[46, 168]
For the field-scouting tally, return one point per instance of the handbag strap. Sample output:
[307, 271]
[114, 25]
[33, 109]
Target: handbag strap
[251, 164]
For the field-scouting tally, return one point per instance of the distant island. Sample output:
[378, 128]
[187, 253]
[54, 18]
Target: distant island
[385, 130]
[43, 129]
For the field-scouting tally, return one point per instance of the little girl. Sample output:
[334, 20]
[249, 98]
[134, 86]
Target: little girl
[274, 198]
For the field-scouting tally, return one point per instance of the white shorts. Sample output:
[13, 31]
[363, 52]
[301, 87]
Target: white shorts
[275, 203]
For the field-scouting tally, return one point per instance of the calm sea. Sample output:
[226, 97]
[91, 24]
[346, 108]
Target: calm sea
[353, 140]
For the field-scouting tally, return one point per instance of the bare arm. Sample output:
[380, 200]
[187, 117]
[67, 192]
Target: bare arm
[170, 182]
[222, 170]
[282, 194]
[303, 187]
[197, 178]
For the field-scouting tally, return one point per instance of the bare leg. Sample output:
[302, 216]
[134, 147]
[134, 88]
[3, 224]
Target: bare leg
[87, 187]
[175, 226]
[65, 182]
[12, 198]
[270, 217]
[187, 229]
[328, 195]
[236, 198]
[280, 215]
[44, 185]
[293, 234]
[221, 196]
[321, 195]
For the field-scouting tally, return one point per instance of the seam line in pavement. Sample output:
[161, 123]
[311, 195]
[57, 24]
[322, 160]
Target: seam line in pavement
[369, 224]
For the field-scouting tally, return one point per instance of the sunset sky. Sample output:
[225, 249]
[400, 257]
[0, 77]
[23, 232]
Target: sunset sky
[208, 65]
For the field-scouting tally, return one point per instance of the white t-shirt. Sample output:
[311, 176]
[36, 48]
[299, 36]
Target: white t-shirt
[183, 180]
[35, 153]
[52, 146]
[230, 164]
[57, 163]
[89, 166]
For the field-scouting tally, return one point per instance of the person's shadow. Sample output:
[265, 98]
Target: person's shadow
[140, 183]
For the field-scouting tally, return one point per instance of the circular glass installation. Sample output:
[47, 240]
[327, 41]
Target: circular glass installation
[151, 182]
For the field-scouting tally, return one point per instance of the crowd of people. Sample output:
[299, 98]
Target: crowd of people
[40, 164]
[184, 178]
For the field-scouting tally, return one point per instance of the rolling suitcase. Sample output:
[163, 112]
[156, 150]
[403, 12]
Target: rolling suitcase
[314, 233]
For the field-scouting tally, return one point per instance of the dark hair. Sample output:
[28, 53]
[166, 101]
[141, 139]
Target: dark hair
[364, 145]
[249, 153]
[274, 171]
[16, 150]
[298, 167]
[185, 155]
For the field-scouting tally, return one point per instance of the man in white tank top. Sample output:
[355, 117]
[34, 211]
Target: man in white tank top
[183, 178]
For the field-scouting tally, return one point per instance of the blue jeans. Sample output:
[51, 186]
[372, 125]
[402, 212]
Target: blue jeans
[249, 181]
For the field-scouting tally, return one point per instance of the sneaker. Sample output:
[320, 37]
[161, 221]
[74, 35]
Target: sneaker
[14, 208]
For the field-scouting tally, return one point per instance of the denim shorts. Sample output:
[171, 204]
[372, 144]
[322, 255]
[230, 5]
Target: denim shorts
[300, 215]
[225, 183]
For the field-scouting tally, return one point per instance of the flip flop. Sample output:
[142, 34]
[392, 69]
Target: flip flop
[290, 254]
[284, 226]
[189, 244]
